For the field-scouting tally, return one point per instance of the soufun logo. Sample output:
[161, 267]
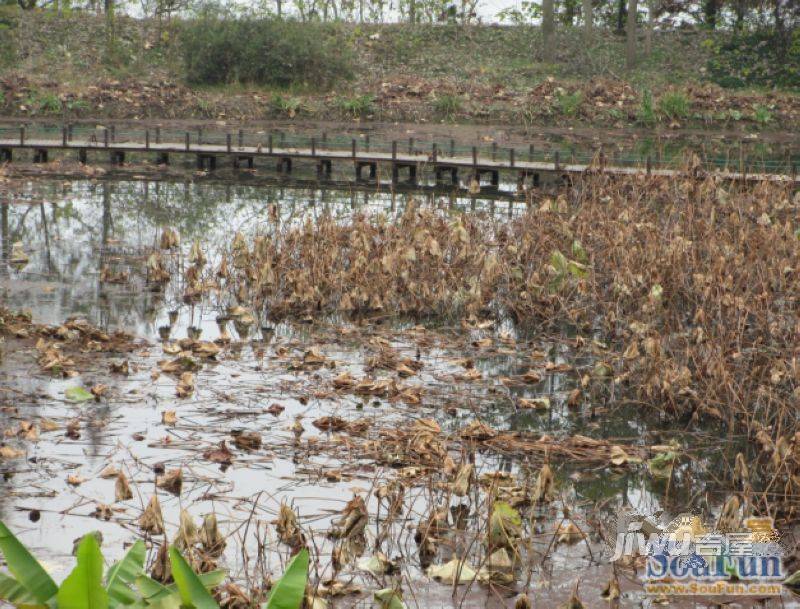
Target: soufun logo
[685, 551]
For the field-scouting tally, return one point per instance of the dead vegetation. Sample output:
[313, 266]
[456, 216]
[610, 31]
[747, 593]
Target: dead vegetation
[675, 298]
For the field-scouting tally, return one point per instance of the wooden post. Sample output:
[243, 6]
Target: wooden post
[313, 146]
[147, 139]
[241, 138]
[69, 132]
[113, 133]
[366, 143]
[64, 137]
[649, 165]
[105, 137]
[530, 152]
[158, 135]
[199, 135]
[556, 164]
[511, 157]
[435, 153]
[353, 146]
[394, 150]
[22, 136]
[228, 141]
[411, 145]
[474, 156]
[452, 147]
[494, 151]
[187, 140]
[269, 143]
[324, 140]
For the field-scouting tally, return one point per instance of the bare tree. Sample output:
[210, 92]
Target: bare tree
[548, 28]
[587, 19]
[630, 48]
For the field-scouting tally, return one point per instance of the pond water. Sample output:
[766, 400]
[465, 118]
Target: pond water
[77, 233]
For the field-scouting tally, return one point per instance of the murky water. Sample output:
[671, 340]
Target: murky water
[74, 232]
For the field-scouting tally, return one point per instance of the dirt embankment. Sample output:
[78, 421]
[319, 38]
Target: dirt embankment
[61, 68]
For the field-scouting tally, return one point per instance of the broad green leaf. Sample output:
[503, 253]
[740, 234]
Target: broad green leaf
[192, 591]
[12, 591]
[453, 572]
[153, 590]
[661, 465]
[124, 573]
[793, 581]
[24, 567]
[289, 590]
[388, 598]
[504, 525]
[83, 588]
[150, 588]
[77, 394]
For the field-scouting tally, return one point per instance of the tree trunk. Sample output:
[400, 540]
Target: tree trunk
[621, 16]
[108, 5]
[651, 20]
[740, 11]
[710, 10]
[587, 19]
[630, 47]
[548, 28]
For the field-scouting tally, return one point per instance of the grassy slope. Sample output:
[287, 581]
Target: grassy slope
[492, 74]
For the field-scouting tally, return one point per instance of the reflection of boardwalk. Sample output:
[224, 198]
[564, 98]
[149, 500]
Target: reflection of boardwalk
[409, 164]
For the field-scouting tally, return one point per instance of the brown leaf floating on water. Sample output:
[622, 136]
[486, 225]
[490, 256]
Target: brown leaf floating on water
[188, 533]
[221, 454]
[212, 540]
[171, 481]
[152, 520]
[122, 490]
[247, 440]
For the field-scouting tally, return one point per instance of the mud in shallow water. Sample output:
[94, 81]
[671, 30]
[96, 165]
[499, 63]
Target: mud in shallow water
[87, 245]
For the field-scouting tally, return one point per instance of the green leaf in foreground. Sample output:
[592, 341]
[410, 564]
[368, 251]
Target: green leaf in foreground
[153, 591]
[192, 591]
[13, 592]
[388, 598]
[83, 588]
[123, 574]
[25, 568]
[77, 394]
[289, 590]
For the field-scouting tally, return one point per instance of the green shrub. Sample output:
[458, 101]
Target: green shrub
[447, 105]
[43, 102]
[568, 104]
[287, 105]
[762, 115]
[357, 106]
[674, 105]
[265, 52]
[647, 110]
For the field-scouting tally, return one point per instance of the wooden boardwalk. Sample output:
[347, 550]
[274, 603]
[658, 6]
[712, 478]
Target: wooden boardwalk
[445, 168]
